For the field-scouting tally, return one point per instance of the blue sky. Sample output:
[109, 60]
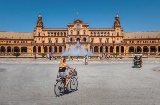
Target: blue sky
[135, 15]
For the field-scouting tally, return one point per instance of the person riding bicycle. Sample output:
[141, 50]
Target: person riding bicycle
[62, 68]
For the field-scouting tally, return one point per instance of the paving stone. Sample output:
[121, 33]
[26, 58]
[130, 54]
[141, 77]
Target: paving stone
[31, 82]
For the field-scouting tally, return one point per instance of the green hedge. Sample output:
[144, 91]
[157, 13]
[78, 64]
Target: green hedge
[16, 54]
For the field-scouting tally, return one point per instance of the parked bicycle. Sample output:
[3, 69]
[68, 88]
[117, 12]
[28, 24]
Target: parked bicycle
[59, 87]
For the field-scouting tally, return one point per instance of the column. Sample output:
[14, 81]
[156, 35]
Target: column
[156, 50]
[62, 49]
[104, 50]
[114, 49]
[58, 49]
[5, 50]
[127, 51]
[149, 50]
[52, 49]
[120, 50]
[36, 49]
[142, 49]
[12, 49]
[20, 49]
[48, 49]
[99, 49]
[109, 50]
[93, 49]
[42, 49]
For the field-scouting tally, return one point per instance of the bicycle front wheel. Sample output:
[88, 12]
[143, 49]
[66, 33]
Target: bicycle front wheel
[74, 84]
[59, 88]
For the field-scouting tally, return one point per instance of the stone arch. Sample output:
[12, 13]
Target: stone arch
[111, 49]
[50, 49]
[55, 49]
[91, 48]
[101, 49]
[106, 48]
[96, 49]
[39, 49]
[3, 49]
[78, 39]
[84, 39]
[131, 49]
[117, 48]
[139, 49]
[16, 49]
[45, 49]
[122, 49]
[34, 49]
[71, 39]
[9, 49]
[145, 49]
[23, 49]
[158, 48]
[153, 49]
[60, 48]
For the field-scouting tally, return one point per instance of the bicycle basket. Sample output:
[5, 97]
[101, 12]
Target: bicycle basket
[74, 73]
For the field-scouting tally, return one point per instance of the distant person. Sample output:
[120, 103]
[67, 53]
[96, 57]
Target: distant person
[35, 57]
[50, 56]
[86, 60]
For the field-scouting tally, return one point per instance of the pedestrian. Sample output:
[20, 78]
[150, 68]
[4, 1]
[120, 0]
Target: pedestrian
[35, 56]
[50, 56]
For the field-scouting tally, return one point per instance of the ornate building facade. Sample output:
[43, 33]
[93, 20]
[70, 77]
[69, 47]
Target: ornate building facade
[98, 40]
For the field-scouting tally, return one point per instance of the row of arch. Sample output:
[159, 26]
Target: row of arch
[14, 49]
[93, 48]
[24, 49]
[107, 49]
[144, 49]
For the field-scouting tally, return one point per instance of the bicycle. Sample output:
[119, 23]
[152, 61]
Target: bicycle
[59, 87]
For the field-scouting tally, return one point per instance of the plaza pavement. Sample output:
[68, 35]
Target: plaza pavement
[105, 82]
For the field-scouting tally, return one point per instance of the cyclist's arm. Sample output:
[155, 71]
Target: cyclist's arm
[69, 67]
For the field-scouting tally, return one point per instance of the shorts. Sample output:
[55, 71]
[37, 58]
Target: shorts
[62, 74]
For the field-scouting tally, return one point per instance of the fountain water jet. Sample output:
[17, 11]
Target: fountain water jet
[77, 50]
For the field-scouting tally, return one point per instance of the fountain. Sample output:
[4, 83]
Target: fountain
[77, 50]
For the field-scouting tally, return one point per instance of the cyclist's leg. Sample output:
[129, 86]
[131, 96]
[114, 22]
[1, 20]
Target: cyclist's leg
[68, 79]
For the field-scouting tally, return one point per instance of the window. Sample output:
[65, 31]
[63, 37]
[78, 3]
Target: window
[91, 33]
[92, 40]
[100, 40]
[77, 32]
[71, 32]
[56, 40]
[98, 33]
[49, 34]
[49, 40]
[107, 40]
[63, 40]
[84, 32]
[117, 33]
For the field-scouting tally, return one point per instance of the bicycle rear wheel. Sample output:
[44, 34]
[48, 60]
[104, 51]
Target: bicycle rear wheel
[59, 88]
[73, 84]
